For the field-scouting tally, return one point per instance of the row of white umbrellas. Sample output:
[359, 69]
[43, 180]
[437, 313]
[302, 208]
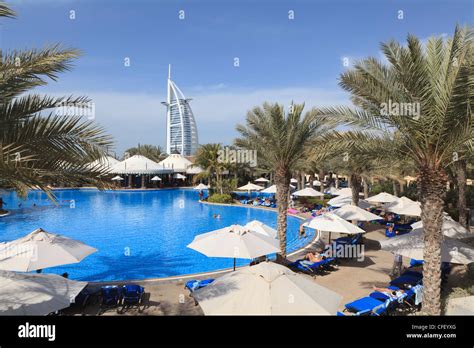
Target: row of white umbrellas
[306, 192]
[391, 203]
[155, 178]
[263, 289]
[273, 289]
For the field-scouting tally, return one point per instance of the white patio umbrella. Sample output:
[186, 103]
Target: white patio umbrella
[330, 222]
[41, 249]
[412, 245]
[382, 197]
[179, 176]
[332, 190]
[266, 289]
[36, 294]
[260, 227]
[347, 191]
[201, 187]
[341, 201]
[351, 212]
[450, 228]
[156, 178]
[404, 206]
[250, 187]
[308, 192]
[262, 180]
[234, 241]
[117, 178]
[293, 181]
[270, 189]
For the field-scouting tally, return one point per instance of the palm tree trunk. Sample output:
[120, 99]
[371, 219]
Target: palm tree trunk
[395, 188]
[282, 181]
[460, 170]
[402, 187]
[321, 179]
[219, 182]
[432, 192]
[366, 188]
[355, 180]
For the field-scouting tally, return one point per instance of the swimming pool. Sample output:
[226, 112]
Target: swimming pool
[139, 234]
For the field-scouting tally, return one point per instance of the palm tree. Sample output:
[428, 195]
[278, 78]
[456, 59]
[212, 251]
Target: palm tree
[155, 153]
[437, 80]
[38, 146]
[5, 11]
[208, 157]
[281, 140]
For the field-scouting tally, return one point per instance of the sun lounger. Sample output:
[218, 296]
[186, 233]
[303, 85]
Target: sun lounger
[414, 274]
[349, 240]
[368, 306]
[313, 267]
[82, 298]
[194, 284]
[110, 297]
[406, 281]
[132, 295]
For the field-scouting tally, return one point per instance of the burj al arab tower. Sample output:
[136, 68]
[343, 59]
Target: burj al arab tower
[181, 130]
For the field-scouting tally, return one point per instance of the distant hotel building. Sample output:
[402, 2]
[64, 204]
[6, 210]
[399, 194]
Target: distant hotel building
[181, 130]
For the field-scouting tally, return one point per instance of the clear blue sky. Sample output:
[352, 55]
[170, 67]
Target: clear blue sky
[280, 59]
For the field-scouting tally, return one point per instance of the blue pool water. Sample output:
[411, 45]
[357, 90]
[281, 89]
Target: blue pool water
[141, 234]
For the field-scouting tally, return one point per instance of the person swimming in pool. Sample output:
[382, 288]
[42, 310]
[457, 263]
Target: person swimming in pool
[302, 232]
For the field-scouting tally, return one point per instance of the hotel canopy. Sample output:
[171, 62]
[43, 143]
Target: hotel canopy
[176, 163]
[139, 164]
[106, 162]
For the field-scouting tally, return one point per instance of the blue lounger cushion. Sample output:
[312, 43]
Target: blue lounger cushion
[379, 296]
[132, 293]
[414, 263]
[305, 265]
[406, 280]
[111, 294]
[194, 284]
[363, 304]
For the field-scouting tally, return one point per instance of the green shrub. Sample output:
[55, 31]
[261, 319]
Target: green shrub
[218, 198]
[313, 200]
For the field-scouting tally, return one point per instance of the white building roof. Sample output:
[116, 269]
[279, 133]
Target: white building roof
[138, 165]
[107, 162]
[176, 162]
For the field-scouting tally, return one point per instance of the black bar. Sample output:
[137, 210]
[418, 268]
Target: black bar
[292, 331]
